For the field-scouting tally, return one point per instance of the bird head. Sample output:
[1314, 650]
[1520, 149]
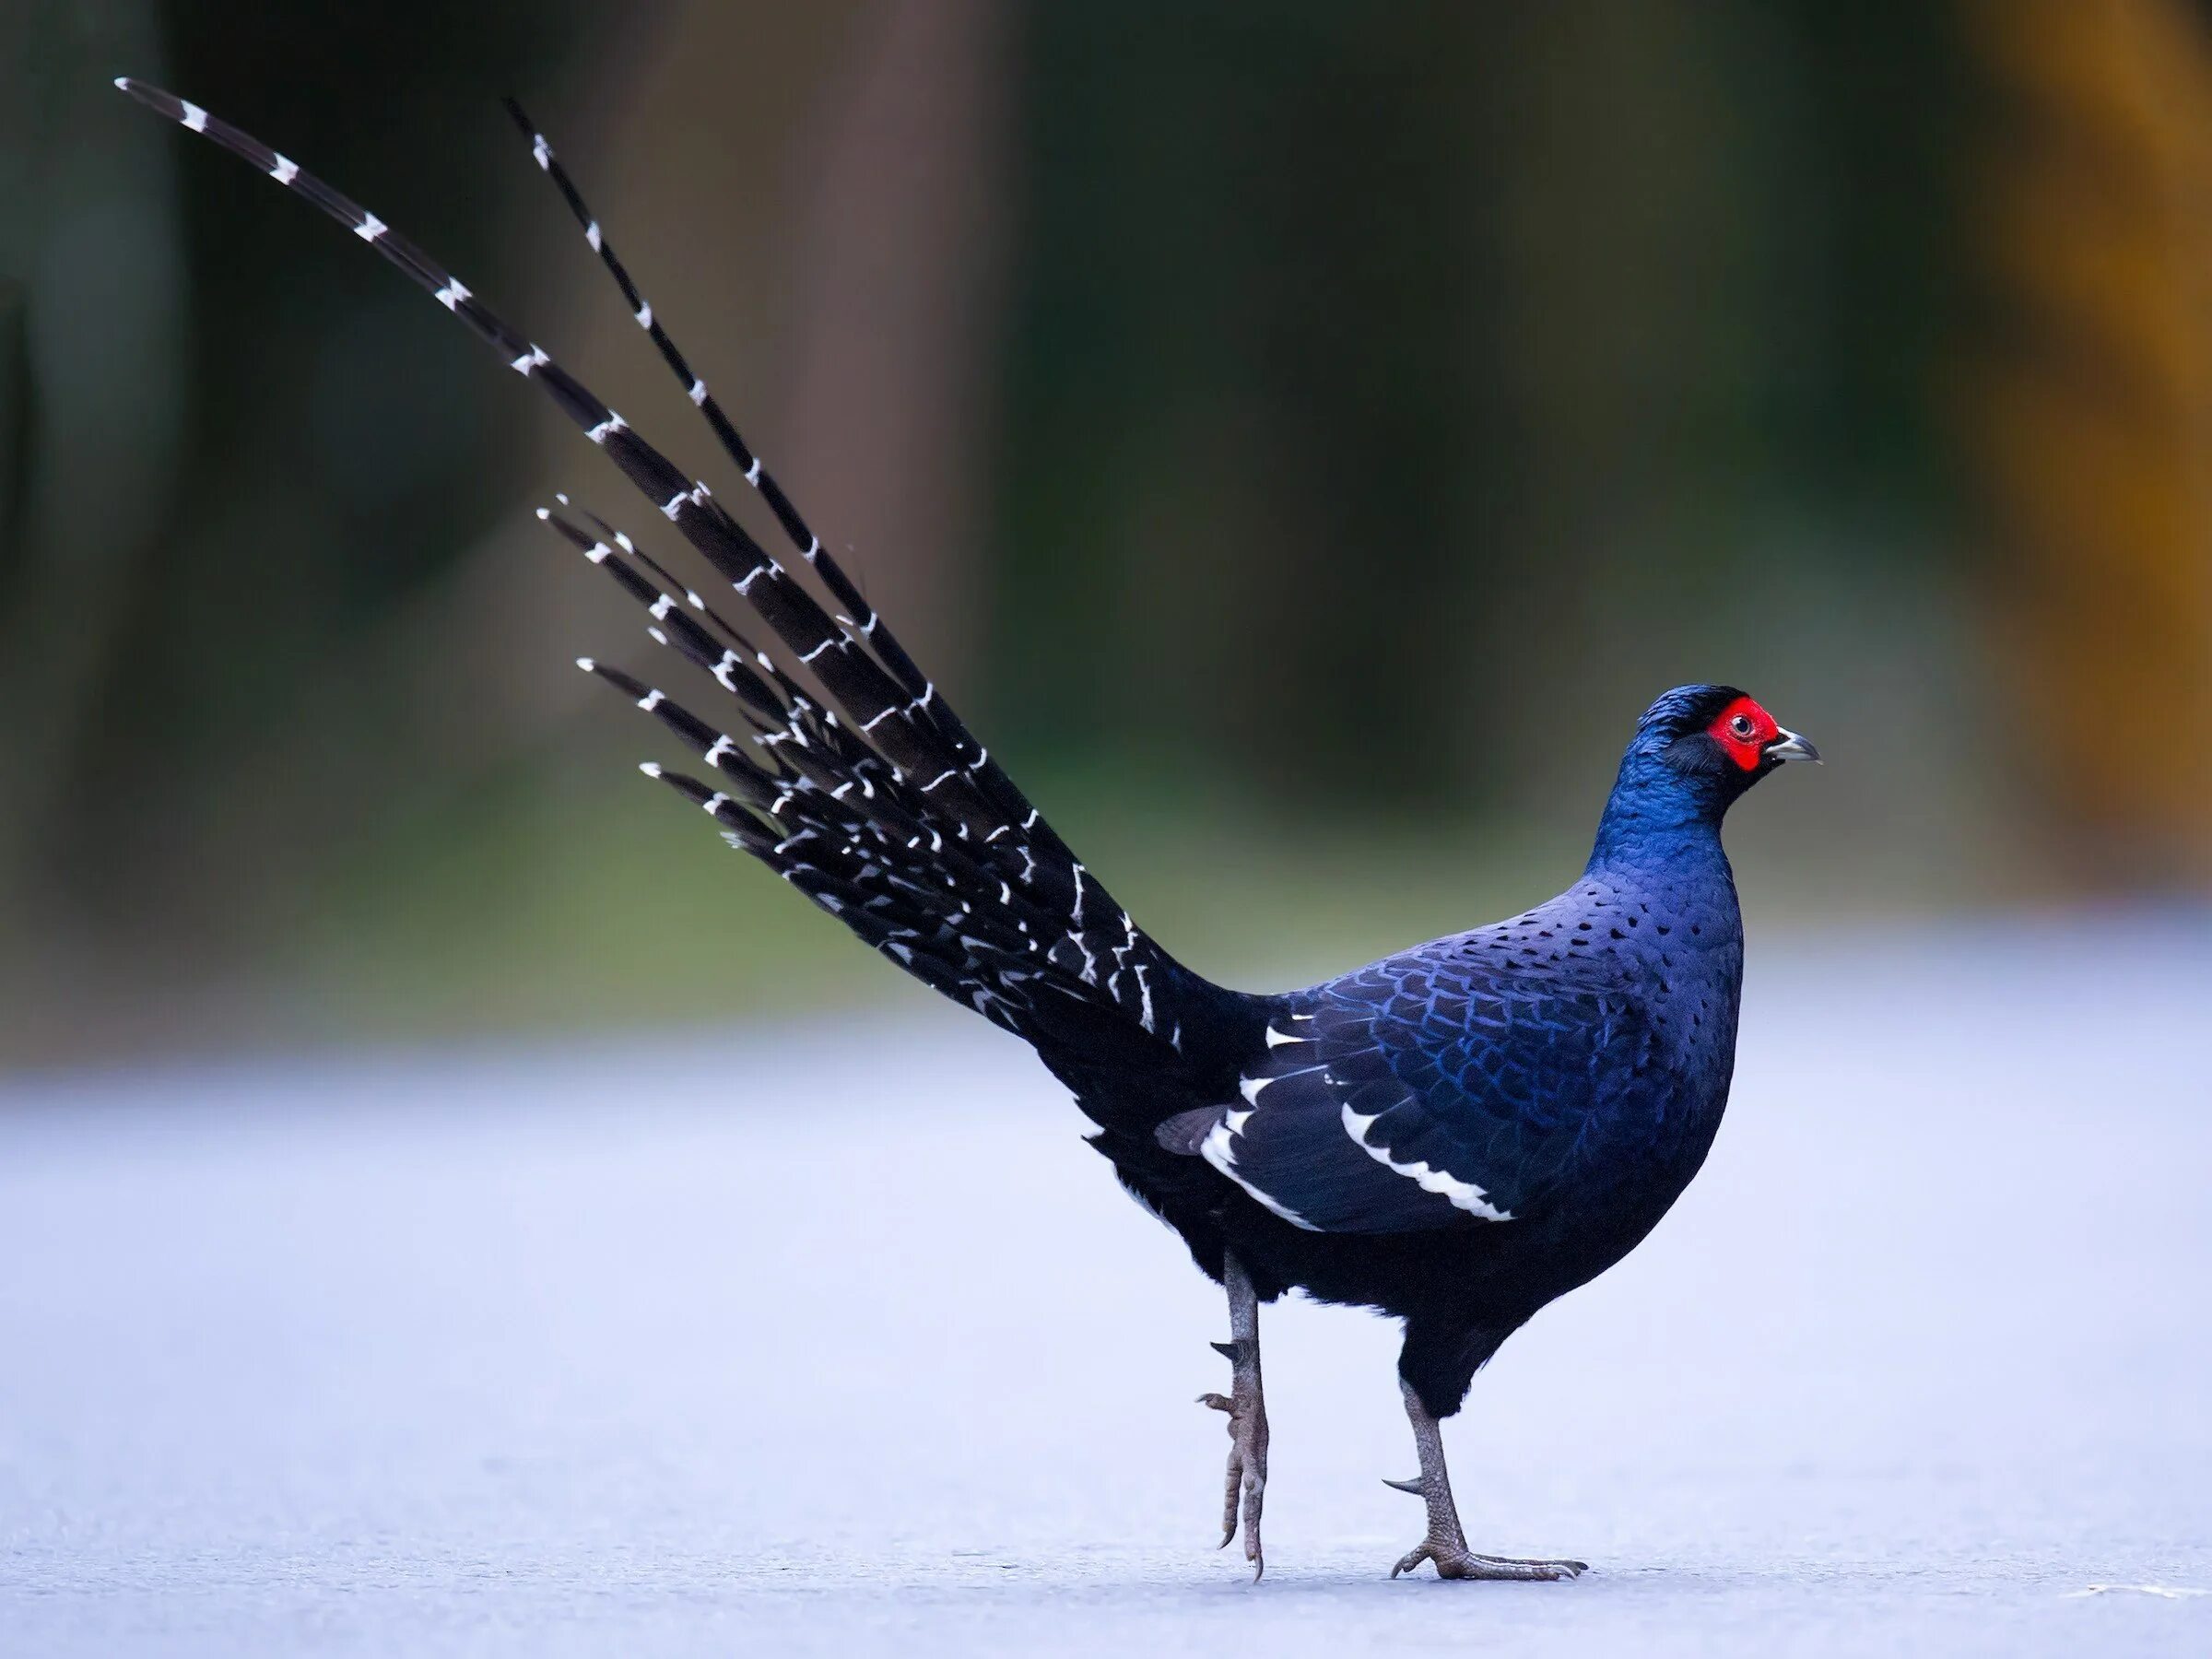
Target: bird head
[1695, 751]
[1716, 732]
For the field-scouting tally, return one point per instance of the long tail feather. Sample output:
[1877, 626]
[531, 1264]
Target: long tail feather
[872, 627]
[907, 734]
[809, 545]
[879, 803]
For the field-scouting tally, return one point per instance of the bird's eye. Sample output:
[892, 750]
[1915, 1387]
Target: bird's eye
[1741, 726]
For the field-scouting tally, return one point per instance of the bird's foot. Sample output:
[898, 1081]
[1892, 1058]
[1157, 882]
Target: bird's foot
[1247, 1484]
[1445, 1547]
[1455, 1561]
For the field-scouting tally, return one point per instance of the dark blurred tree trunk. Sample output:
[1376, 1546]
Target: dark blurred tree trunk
[92, 365]
[898, 292]
[827, 251]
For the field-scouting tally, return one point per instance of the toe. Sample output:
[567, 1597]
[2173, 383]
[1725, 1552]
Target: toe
[1550, 1570]
[1454, 1563]
[1255, 1489]
[1530, 1572]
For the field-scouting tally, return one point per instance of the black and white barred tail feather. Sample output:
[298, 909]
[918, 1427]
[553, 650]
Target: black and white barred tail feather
[879, 805]
[870, 625]
[805, 540]
[866, 850]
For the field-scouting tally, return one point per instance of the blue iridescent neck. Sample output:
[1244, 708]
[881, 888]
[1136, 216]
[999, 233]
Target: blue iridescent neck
[1663, 820]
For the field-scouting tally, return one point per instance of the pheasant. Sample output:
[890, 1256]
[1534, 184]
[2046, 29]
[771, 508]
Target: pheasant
[1453, 1136]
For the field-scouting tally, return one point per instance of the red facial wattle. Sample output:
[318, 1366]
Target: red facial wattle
[1744, 743]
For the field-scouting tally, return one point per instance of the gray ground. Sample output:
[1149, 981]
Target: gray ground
[838, 1341]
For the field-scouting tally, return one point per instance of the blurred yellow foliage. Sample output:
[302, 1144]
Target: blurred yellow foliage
[2090, 410]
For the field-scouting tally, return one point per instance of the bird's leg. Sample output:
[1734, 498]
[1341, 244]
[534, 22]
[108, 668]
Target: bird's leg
[1446, 1546]
[1247, 1411]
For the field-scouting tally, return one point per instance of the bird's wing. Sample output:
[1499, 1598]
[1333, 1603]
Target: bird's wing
[1439, 1089]
[834, 759]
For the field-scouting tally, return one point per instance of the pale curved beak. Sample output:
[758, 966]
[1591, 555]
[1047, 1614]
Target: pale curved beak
[1791, 746]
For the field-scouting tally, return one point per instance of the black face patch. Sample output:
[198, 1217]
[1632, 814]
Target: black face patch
[1698, 755]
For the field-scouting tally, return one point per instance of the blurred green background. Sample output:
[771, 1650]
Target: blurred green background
[1302, 436]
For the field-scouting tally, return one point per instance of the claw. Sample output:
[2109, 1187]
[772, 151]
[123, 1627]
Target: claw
[1227, 1350]
[1411, 1488]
